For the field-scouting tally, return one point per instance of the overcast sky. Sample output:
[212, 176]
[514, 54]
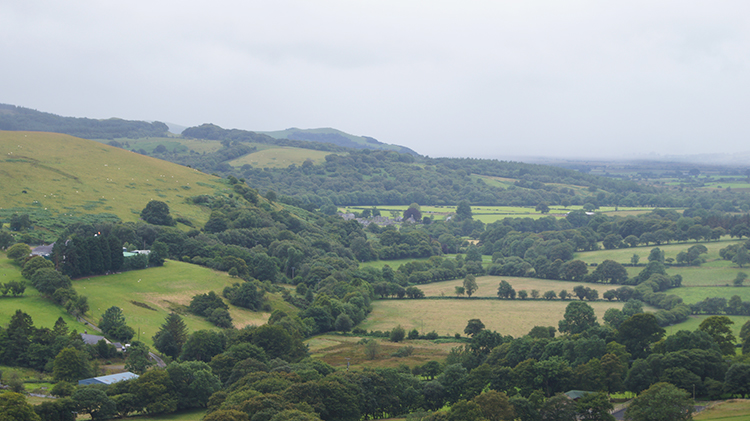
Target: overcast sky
[482, 79]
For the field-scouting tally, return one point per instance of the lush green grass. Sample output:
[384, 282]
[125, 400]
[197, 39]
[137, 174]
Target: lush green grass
[449, 316]
[43, 312]
[670, 250]
[280, 157]
[714, 272]
[489, 214]
[695, 294]
[164, 289]
[394, 264]
[731, 410]
[182, 145]
[67, 176]
[693, 322]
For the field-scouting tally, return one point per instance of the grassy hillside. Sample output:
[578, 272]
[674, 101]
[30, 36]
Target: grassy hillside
[148, 296]
[145, 296]
[63, 177]
[43, 313]
[281, 157]
[336, 137]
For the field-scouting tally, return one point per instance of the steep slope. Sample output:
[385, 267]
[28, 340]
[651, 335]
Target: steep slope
[67, 177]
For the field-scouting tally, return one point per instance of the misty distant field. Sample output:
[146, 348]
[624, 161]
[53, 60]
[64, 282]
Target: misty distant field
[280, 157]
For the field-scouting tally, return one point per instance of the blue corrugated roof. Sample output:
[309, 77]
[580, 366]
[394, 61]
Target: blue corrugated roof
[112, 378]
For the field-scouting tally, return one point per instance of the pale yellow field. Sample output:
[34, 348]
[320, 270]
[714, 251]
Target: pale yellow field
[449, 316]
[488, 286]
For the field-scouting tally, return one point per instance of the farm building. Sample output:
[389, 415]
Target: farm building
[92, 339]
[43, 251]
[112, 378]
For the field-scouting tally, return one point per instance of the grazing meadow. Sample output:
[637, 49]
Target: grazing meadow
[62, 178]
[490, 214]
[729, 410]
[146, 297]
[280, 157]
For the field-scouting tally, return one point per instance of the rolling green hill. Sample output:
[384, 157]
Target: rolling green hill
[145, 296]
[281, 157]
[336, 137]
[65, 178]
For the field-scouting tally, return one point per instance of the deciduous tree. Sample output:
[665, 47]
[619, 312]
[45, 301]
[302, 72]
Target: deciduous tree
[578, 317]
[661, 401]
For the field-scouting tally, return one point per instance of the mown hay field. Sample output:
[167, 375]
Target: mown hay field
[67, 176]
[449, 316]
[488, 286]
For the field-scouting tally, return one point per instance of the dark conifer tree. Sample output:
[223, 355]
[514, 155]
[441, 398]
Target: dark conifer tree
[115, 251]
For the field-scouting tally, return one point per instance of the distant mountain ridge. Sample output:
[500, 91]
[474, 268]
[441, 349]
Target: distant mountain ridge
[15, 118]
[25, 119]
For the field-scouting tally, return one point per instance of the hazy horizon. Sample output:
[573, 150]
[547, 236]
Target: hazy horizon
[482, 79]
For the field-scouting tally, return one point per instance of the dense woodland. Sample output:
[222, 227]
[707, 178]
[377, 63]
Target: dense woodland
[19, 118]
[263, 373]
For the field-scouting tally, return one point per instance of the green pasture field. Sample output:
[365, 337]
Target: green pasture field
[670, 250]
[714, 272]
[43, 312]
[488, 286]
[336, 350]
[449, 316]
[692, 295]
[164, 289]
[707, 275]
[183, 145]
[66, 177]
[693, 322]
[394, 264]
[730, 410]
[489, 214]
[280, 157]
